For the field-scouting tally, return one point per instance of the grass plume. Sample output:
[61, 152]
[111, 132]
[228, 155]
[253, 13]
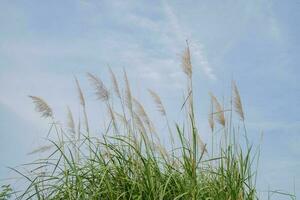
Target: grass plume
[126, 163]
[186, 62]
[158, 102]
[237, 101]
[219, 111]
[42, 107]
[100, 89]
[115, 83]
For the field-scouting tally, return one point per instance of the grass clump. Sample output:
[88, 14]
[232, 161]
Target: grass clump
[129, 160]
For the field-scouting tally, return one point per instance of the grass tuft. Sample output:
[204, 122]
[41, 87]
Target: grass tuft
[129, 161]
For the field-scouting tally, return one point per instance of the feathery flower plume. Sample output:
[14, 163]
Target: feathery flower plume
[42, 107]
[211, 122]
[112, 117]
[201, 143]
[101, 91]
[237, 101]
[220, 117]
[139, 123]
[80, 93]
[158, 102]
[211, 117]
[115, 83]
[70, 122]
[128, 95]
[142, 113]
[186, 62]
[82, 103]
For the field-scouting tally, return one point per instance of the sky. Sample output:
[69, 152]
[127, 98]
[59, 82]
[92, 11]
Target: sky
[44, 44]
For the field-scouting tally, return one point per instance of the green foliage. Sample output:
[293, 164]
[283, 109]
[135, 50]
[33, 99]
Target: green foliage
[130, 162]
[5, 192]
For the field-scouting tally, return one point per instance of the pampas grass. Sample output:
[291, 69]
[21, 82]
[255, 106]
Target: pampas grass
[128, 95]
[80, 93]
[186, 62]
[42, 107]
[100, 89]
[82, 103]
[158, 102]
[115, 83]
[161, 109]
[70, 122]
[140, 110]
[219, 111]
[127, 163]
[237, 101]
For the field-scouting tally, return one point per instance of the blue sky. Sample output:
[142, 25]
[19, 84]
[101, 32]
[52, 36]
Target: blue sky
[44, 44]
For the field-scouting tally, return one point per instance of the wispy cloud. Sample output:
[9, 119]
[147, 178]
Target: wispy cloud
[39, 56]
[181, 34]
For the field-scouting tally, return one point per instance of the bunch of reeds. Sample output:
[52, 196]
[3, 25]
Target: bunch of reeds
[129, 161]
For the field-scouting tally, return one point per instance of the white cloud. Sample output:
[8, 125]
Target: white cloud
[182, 34]
[200, 58]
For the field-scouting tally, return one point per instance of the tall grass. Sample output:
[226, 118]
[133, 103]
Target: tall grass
[129, 160]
